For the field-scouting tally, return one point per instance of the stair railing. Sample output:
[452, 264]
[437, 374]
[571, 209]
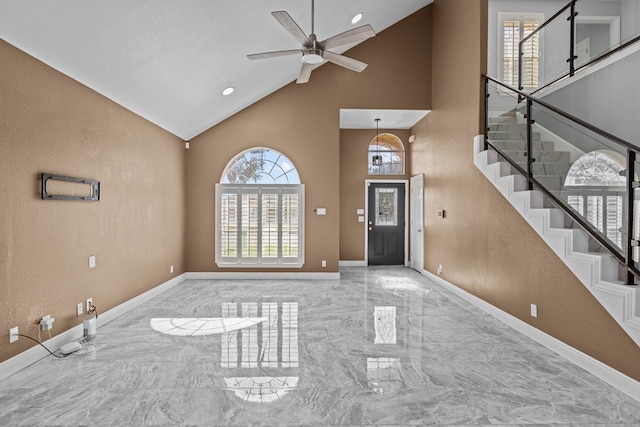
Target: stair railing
[568, 13]
[510, 102]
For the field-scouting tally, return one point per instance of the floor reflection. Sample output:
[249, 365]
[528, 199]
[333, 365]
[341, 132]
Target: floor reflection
[385, 324]
[190, 326]
[397, 314]
[261, 389]
[400, 285]
[271, 344]
[384, 374]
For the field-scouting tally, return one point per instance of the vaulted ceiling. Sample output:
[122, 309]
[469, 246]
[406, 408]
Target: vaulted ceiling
[169, 60]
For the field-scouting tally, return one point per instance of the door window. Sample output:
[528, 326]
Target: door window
[386, 206]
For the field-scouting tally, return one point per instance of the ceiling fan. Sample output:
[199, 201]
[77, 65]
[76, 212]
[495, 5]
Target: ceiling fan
[315, 52]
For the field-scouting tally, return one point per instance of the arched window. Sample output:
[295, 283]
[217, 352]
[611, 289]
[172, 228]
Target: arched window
[260, 212]
[260, 166]
[594, 187]
[599, 168]
[386, 155]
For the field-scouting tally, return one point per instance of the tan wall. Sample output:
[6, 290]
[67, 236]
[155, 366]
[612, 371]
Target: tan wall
[302, 122]
[484, 246]
[51, 123]
[354, 150]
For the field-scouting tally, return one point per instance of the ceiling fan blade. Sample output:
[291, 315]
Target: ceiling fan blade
[274, 54]
[345, 61]
[305, 73]
[355, 35]
[290, 25]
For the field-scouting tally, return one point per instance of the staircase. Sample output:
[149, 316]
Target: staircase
[597, 271]
[550, 166]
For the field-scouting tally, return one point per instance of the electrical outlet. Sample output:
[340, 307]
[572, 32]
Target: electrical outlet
[79, 309]
[440, 269]
[324, 263]
[534, 310]
[89, 303]
[46, 323]
[92, 261]
[13, 335]
[171, 269]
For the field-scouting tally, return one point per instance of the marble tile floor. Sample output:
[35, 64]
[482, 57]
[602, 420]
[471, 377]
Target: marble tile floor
[382, 346]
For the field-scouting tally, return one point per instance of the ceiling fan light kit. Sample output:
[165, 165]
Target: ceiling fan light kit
[312, 56]
[315, 52]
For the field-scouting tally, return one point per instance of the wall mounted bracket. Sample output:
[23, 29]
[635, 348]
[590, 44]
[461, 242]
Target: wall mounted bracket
[94, 188]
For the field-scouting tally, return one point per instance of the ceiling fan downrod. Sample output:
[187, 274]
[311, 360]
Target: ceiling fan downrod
[312, 55]
[312, 21]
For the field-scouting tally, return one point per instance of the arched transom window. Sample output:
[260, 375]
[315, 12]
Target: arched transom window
[594, 187]
[599, 168]
[260, 212]
[260, 166]
[386, 155]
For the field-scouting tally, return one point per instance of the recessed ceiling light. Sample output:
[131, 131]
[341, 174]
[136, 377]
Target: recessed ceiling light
[227, 91]
[356, 18]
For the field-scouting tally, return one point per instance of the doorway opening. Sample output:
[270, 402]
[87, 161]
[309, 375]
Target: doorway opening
[595, 36]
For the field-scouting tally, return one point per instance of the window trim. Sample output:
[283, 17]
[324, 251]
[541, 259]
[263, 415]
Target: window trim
[260, 262]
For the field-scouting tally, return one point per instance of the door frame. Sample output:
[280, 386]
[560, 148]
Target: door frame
[417, 237]
[406, 215]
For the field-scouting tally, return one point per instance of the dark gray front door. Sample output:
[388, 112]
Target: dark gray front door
[386, 223]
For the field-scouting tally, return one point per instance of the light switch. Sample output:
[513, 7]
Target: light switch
[92, 261]
[321, 211]
[361, 218]
[360, 212]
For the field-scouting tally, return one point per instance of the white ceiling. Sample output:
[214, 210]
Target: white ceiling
[169, 60]
[389, 119]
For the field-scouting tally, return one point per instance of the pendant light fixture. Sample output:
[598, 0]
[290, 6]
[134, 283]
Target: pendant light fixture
[377, 159]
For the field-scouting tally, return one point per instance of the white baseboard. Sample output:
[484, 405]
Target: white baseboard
[32, 355]
[35, 353]
[358, 263]
[616, 379]
[268, 275]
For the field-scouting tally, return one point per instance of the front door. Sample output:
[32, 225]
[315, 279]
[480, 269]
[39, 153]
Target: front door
[386, 223]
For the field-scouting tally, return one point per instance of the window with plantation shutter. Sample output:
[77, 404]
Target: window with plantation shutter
[594, 188]
[514, 28]
[510, 40]
[260, 212]
[530, 55]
